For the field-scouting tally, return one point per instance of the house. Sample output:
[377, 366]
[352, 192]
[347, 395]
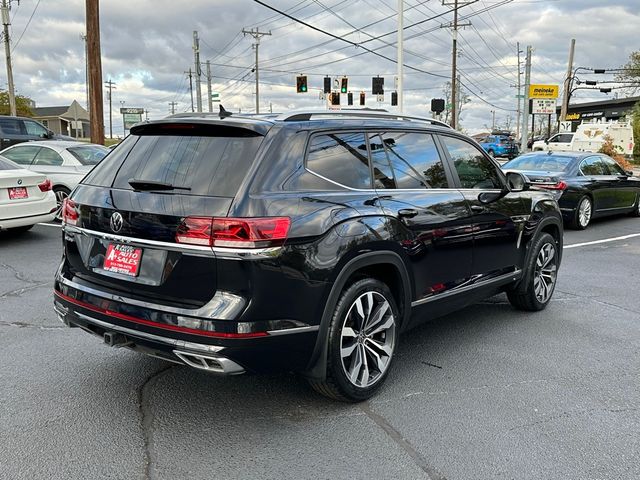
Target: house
[62, 120]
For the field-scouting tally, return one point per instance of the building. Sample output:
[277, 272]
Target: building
[62, 120]
[607, 110]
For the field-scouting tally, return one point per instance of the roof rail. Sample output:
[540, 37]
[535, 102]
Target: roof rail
[303, 116]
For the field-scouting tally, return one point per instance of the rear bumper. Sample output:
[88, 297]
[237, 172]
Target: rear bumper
[227, 348]
[28, 213]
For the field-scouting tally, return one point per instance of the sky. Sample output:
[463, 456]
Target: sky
[147, 47]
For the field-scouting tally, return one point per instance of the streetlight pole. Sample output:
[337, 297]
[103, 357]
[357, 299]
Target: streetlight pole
[124, 126]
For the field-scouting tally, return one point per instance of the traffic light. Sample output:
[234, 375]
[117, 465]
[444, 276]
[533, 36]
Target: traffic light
[362, 99]
[301, 84]
[377, 86]
[335, 98]
[350, 99]
[327, 84]
[344, 85]
[394, 99]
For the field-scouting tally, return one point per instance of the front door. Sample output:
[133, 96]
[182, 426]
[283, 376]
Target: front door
[498, 225]
[430, 220]
[623, 188]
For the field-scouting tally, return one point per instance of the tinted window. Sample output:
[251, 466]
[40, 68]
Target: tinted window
[104, 174]
[561, 138]
[613, 166]
[90, 154]
[593, 166]
[6, 164]
[342, 158]
[11, 126]
[382, 173]
[474, 169]
[414, 159]
[34, 128]
[541, 162]
[204, 165]
[47, 157]
[22, 155]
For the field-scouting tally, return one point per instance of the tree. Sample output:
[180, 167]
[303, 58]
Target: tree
[462, 98]
[635, 122]
[631, 71]
[23, 105]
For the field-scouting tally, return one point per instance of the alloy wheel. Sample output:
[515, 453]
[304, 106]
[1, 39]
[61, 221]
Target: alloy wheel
[584, 212]
[367, 339]
[60, 196]
[545, 273]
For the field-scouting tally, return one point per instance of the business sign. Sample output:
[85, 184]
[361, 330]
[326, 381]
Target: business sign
[565, 126]
[543, 91]
[573, 116]
[139, 111]
[130, 119]
[543, 106]
[215, 97]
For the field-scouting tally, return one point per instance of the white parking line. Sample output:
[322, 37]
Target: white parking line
[58, 225]
[604, 240]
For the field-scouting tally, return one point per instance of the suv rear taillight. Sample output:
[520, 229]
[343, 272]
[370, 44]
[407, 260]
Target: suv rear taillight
[69, 212]
[234, 232]
[45, 186]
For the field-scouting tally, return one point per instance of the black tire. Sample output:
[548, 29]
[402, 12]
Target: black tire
[636, 209]
[526, 295]
[338, 385]
[577, 222]
[61, 193]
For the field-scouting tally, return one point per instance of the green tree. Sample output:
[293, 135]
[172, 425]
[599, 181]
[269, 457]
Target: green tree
[631, 71]
[23, 105]
[635, 122]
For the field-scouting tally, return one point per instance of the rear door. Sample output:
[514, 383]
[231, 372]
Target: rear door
[13, 131]
[433, 222]
[23, 155]
[498, 225]
[598, 183]
[203, 165]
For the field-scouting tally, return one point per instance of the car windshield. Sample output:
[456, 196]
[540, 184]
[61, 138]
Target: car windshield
[6, 164]
[542, 162]
[89, 154]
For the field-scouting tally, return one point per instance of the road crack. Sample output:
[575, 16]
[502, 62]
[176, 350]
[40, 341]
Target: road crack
[20, 291]
[31, 325]
[146, 419]
[396, 436]
[17, 273]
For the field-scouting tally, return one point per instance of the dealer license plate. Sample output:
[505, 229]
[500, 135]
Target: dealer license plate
[18, 193]
[123, 259]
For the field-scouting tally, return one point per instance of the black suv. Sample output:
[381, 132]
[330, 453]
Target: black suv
[305, 242]
[19, 129]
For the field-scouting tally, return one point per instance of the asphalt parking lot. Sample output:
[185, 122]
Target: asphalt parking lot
[487, 392]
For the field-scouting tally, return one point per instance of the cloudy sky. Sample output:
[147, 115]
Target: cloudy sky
[147, 45]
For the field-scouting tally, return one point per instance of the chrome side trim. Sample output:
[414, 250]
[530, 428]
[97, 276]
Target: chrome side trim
[149, 336]
[287, 331]
[223, 305]
[515, 275]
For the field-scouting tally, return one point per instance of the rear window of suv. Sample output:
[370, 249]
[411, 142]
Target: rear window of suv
[207, 164]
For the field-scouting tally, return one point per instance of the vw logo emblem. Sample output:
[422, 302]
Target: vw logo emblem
[19, 181]
[116, 222]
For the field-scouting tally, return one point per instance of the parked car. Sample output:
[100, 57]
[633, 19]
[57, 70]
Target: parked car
[25, 197]
[65, 163]
[560, 142]
[500, 146]
[587, 185]
[535, 138]
[15, 130]
[305, 242]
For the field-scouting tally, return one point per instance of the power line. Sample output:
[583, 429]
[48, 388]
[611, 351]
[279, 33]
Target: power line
[26, 26]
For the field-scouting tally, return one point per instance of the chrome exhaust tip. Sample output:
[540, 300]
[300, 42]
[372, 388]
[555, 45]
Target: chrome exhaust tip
[219, 365]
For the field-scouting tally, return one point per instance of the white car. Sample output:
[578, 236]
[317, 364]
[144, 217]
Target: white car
[65, 163]
[26, 197]
[560, 142]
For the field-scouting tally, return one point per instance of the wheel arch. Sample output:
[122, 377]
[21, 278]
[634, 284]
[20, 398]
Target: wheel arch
[386, 266]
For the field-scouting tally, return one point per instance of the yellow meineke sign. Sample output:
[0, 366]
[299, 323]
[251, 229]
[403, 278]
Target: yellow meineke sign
[543, 91]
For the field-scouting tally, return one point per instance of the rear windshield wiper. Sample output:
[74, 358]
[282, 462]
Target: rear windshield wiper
[151, 185]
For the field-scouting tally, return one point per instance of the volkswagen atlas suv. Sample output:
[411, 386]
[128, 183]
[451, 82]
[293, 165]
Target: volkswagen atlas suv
[306, 242]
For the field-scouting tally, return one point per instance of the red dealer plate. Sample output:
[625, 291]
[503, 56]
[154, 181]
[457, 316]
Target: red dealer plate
[18, 193]
[123, 259]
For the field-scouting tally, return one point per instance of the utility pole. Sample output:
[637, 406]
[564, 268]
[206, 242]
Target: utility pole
[400, 55]
[209, 92]
[146, 115]
[124, 125]
[493, 120]
[198, 70]
[83, 37]
[257, 35]
[525, 110]
[110, 85]
[6, 21]
[191, 88]
[95, 71]
[172, 106]
[518, 94]
[567, 83]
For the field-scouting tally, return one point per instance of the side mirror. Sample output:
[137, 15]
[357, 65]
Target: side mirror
[546, 141]
[629, 173]
[517, 182]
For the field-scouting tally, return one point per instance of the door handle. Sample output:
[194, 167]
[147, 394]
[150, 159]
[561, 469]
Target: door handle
[407, 212]
[478, 208]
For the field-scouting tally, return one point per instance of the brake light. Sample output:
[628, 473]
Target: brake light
[70, 213]
[45, 186]
[233, 232]
[561, 185]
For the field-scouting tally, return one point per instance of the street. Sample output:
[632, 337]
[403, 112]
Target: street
[486, 392]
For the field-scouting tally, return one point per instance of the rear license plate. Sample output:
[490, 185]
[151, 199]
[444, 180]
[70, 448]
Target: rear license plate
[123, 259]
[18, 193]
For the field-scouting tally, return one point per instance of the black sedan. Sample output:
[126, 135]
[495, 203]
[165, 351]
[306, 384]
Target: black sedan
[587, 185]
